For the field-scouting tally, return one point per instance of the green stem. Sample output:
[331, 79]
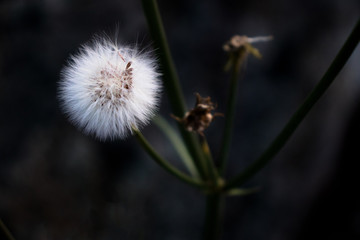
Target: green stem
[6, 231]
[302, 111]
[178, 144]
[211, 169]
[171, 81]
[230, 111]
[213, 217]
[165, 164]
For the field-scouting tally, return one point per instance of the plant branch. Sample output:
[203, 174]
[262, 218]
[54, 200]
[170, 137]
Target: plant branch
[213, 216]
[230, 109]
[178, 144]
[165, 164]
[211, 169]
[171, 81]
[302, 111]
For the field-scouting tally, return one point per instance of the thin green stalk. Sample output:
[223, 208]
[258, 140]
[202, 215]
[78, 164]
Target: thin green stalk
[6, 231]
[213, 216]
[178, 144]
[211, 169]
[165, 164]
[302, 111]
[171, 81]
[230, 110]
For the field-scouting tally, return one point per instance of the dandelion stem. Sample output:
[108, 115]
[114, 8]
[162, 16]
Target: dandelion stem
[171, 81]
[214, 198]
[302, 111]
[230, 109]
[6, 231]
[213, 216]
[165, 164]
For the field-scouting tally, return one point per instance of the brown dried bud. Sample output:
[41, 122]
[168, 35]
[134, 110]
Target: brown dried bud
[239, 47]
[235, 43]
[200, 117]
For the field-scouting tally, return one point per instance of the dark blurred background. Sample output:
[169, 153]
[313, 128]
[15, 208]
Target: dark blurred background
[56, 183]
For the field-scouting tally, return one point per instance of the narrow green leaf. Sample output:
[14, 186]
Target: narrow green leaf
[177, 143]
[165, 164]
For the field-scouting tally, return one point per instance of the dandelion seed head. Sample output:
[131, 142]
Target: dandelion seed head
[108, 89]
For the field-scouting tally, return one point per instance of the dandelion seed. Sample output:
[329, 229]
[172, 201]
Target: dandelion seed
[108, 89]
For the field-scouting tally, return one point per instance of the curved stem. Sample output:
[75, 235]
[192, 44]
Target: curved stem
[178, 144]
[6, 231]
[171, 81]
[302, 111]
[164, 164]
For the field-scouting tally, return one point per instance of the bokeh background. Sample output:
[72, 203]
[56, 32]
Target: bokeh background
[56, 183]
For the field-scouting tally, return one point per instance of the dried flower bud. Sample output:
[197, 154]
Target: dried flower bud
[237, 42]
[200, 117]
[239, 48]
[108, 89]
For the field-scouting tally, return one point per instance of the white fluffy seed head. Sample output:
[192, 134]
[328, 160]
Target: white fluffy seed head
[108, 89]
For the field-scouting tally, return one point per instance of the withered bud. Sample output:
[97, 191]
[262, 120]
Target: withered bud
[200, 117]
[239, 47]
[236, 42]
